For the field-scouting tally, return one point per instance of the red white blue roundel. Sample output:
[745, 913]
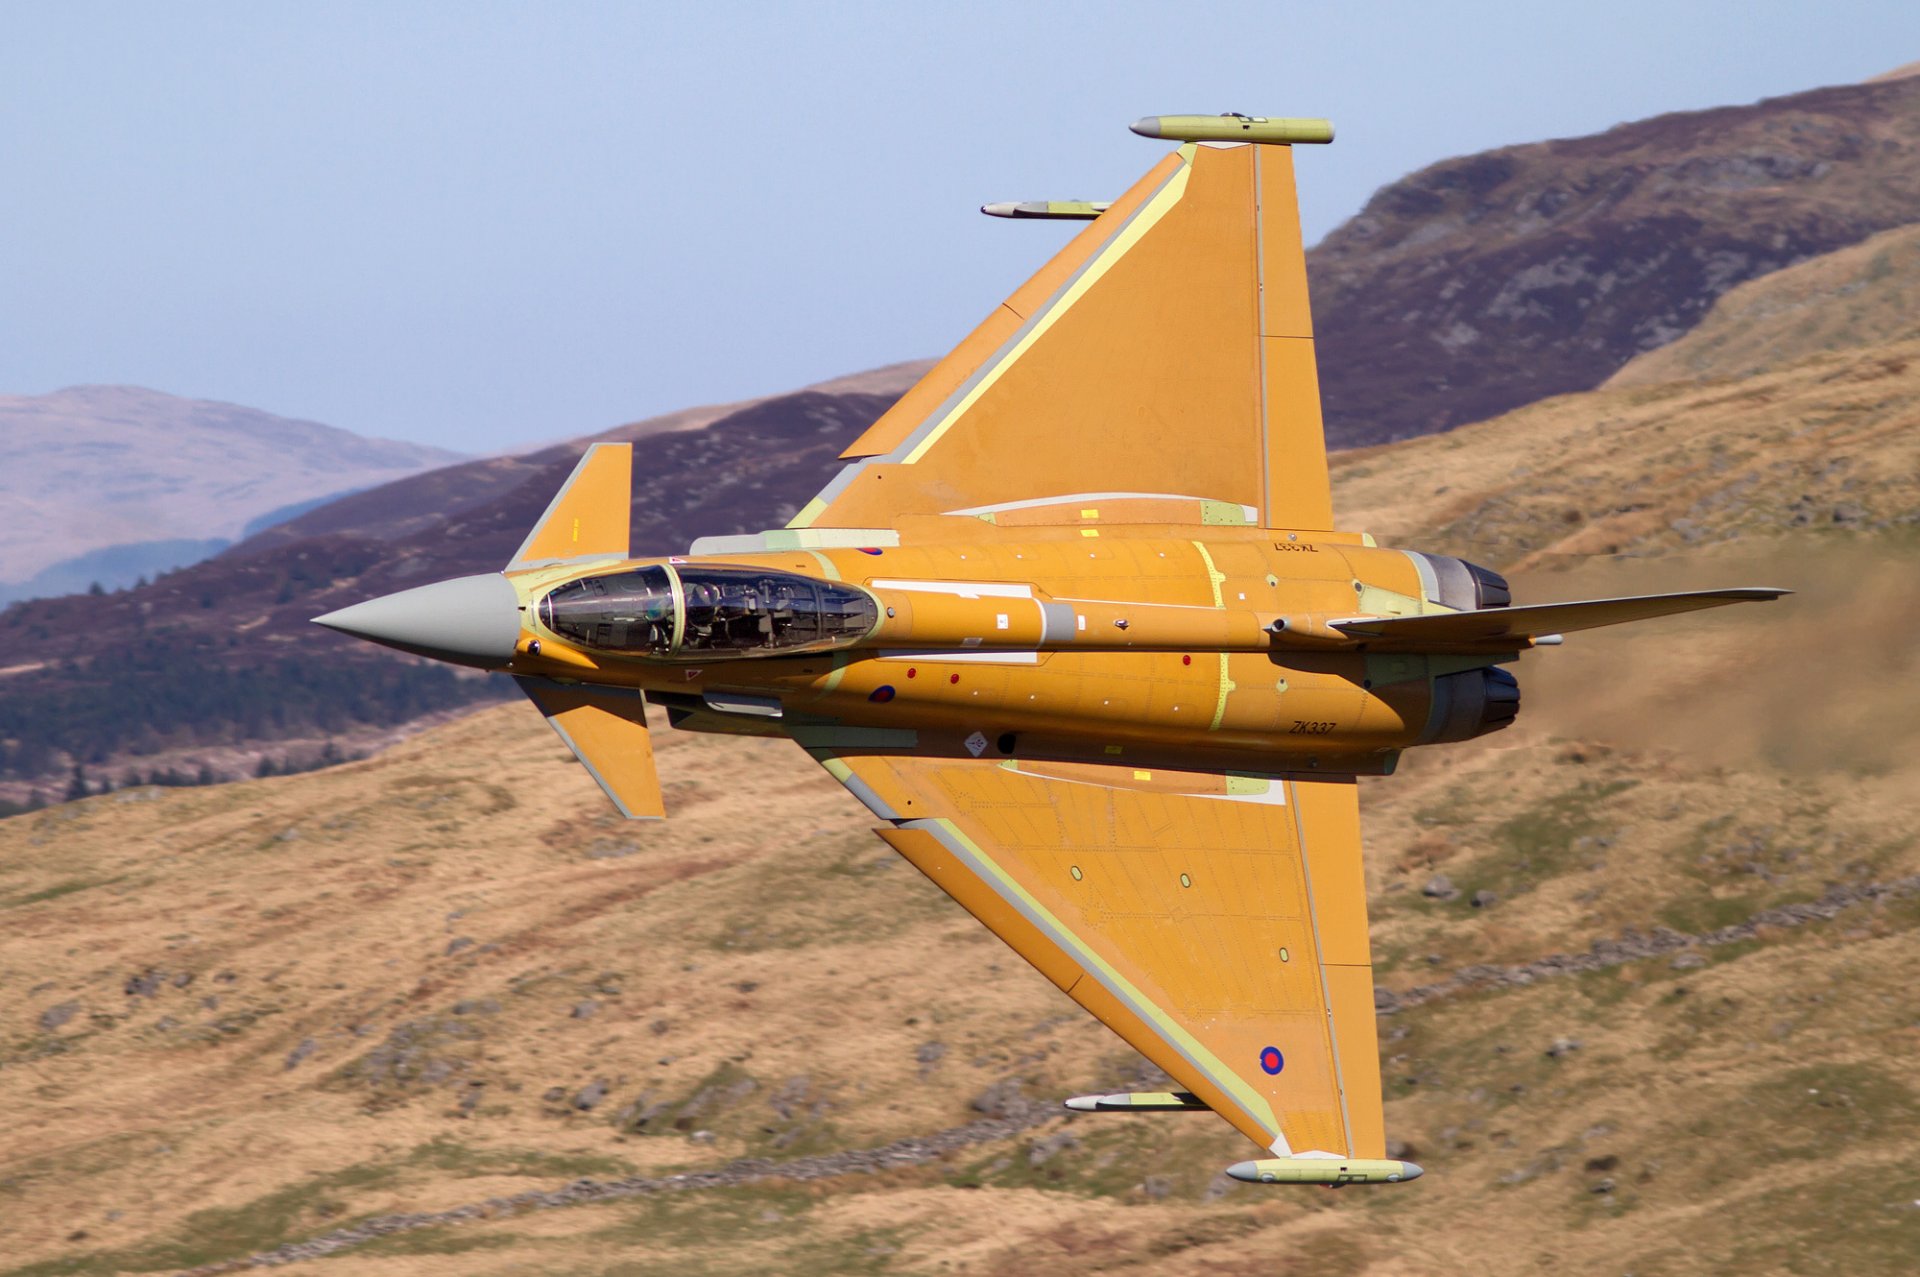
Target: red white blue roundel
[1271, 1061]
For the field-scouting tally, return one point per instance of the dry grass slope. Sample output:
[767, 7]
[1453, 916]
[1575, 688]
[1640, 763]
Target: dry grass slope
[1667, 1040]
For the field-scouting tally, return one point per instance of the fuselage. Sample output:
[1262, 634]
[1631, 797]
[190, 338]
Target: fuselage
[1204, 647]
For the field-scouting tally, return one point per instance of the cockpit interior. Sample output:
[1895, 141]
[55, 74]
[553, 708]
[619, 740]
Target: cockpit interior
[702, 612]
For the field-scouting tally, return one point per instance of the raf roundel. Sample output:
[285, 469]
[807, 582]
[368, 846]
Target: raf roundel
[1271, 1061]
[882, 693]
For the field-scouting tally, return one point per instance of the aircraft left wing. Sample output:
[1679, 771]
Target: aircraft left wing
[1216, 923]
[1166, 351]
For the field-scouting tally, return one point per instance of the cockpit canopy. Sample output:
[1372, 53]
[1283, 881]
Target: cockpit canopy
[704, 612]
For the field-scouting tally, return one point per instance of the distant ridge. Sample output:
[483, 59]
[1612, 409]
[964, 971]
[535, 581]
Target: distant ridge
[91, 467]
[1473, 287]
[1482, 283]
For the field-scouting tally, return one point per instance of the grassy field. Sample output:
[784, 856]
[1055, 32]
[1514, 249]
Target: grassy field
[439, 1012]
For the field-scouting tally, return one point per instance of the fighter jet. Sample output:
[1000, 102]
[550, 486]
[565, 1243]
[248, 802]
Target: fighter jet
[1077, 625]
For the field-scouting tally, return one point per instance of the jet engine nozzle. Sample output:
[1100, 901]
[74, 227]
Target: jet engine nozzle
[1460, 585]
[1471, 703]
[469, 620]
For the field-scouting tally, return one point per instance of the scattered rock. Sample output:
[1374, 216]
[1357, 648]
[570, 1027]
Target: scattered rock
[144, 984]
[1562, 1046]
[791, 1098]
[585, 1010]
[638, 1115]
[307, 1047]
[418, 1054]
[476, 1006]
[1482, 898]
[1004, 1099]
[1044, 1150]
[458, 943]
[605, 848]
[747, 986]
[1687, 961]
[1605, 1163]
[930, 1053]
[1604, 1186]
[55, 1016]
[1439, 887]
[590, 1095]
[1156, 1188]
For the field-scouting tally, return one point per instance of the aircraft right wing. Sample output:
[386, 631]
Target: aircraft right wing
[1216, 923]
[1167, 350]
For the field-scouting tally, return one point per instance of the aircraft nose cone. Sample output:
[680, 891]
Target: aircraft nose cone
[470, 620]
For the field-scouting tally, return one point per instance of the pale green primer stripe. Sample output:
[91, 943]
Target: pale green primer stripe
[834, 676]
[1142, 222]
[1215, 579]
[827, 566]
[1251, 1101]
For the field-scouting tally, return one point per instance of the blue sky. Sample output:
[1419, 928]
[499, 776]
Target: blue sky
[481, 224]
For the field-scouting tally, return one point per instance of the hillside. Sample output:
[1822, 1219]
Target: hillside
[1844, 301]
[1474, 286]
[96, 467]
[220, 654]
[440, 1012]
[1494, 280]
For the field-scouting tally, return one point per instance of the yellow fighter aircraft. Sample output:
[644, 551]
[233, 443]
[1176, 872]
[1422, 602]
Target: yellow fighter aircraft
[1076, 624]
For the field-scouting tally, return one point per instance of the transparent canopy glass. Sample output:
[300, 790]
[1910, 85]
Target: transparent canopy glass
[719, 612]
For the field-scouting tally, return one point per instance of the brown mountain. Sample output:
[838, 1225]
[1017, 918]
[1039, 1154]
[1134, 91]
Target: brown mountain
[443, 1012]
[221, 652]
[1472, 287]
[1487, 282]
[92, 467]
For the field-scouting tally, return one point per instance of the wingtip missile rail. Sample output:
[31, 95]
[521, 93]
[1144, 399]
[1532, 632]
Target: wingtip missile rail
[1139, 1102]
[1334, 1172]
[1048, 210]
[1234, 127]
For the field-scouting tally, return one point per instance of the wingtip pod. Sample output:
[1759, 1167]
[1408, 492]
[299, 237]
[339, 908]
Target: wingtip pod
[1138, 1102]
[1050, 210]
[1334, 1171]
[1234, 128]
